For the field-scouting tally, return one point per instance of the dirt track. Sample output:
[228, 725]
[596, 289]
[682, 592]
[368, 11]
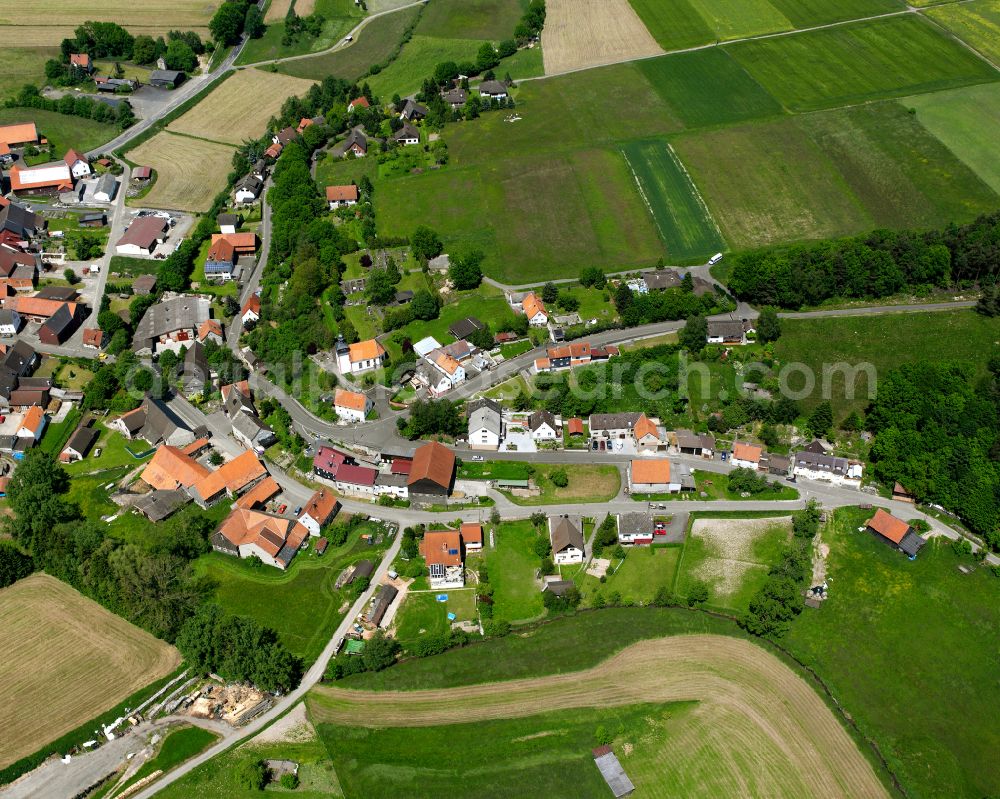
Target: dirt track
[751, 704]
[589, 33]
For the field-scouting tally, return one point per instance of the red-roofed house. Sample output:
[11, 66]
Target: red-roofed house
[351, 406]
[342, 196]
[93, 338]
[359, 102]
[442, 551]
[81, 61]
[78, 164]
[251, 309]
[746, 456]
[896, 533]
[246, 533]
[319, 511]
[651, 477]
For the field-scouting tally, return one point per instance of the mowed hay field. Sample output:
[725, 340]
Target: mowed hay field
[240, 107]
[966, 120]
[66, 660]
[492, 20]
[190, 171]
[758, 726]
[681, 216]
[977, 23]
[587, 33]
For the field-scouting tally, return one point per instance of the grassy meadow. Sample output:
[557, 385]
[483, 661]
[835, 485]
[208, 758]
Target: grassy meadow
[490, 20]
[636, 578]
[61, 130]
[512, 565]
[909, 648]
[977, 23]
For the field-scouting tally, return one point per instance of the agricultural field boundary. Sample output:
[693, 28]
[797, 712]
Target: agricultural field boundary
[708, 668]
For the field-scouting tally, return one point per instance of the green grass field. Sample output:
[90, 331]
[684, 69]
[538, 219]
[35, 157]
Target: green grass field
[674, 24]
[637, 578]
[855, 63]
[808, 13]
[887, 619]
[339, 16]
[587, 483]
[21, 65]
[767, 182]
[180, 744]
[417, 61]
[682, 219]
[708, 87]
[958, 335]
[733, 19]
[900, 173]
[546, 755]
[512, 565]
[62, 130]
[301, 603]
[731, 556]
[373, 45]
[490, 20]
[966, 121]
[977, 23]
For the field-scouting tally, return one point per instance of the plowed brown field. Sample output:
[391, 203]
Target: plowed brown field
[771, 725]
[588, 33]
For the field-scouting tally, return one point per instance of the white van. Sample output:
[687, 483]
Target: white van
[715, 259]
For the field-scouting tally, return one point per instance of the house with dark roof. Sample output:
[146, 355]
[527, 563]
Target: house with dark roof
[155, 422]
[413, 111]
[485, 424]
[79, 444]
[196, 373]
[464, 328]
[829, 468]
[166, 78]
[493, 89]
[566, 537]
[380, 605]
[170, 324]
[456, 97]
[60, 326]
[728, 331]
[635, 528]
[542, 425]
[248, 189]
[406, 135]
[699, 444]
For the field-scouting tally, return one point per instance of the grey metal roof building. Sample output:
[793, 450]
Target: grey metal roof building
[612, 771]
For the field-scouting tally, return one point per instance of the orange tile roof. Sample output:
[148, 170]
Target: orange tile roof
[575, 426]
[472, 533]
[359, 101]
[238, 473]
[643, 427]
[447, 363]
[93, 336]
[32, 421]
[341, 193]
[252, 304]
[195, 446]
[350, 399]
[432, 461]
[221, 250]
[321, 506]
[652, 471]
[437, 546]
[18, 134]
[259, 494]
[243, 387]
[79, 59]
[304, 123]
[532, 305]
[72, 156]
[37, 306]
[241, 242]
[542, 363]
[888, 526]
[366, 351]
[170, 468]
[270, 533]
[746, 452]
[274, 150]
[17, 183]
[208, 327]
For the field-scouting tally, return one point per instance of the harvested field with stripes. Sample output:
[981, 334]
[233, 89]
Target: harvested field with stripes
[764, 724]
[190, 171]
[587, 33]
[240, 107]
[66, 660]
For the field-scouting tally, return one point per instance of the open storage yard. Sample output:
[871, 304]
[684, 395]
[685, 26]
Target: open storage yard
[586, 33]
[240, 107]
[758, 726]
[190, 171]
[66, 659]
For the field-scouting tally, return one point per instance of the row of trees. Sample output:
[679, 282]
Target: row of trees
[234, 17]
[874, 265]
[122, 116]
[669, 304]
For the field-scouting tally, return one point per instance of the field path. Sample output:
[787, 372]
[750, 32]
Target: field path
[733, 680]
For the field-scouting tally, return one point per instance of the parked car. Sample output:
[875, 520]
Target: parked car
[478, 458]
[298, 510]
[282, 508]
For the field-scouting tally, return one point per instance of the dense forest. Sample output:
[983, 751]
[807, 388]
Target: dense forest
[937, 431]
[877, 264]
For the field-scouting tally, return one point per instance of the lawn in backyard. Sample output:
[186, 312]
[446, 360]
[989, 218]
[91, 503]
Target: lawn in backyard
[948, 335]
[681, 216]
[301, 603]
[860, 62]
[133, 267]
[534, 756]
[966, 121]
[114, 453]
[731, 556]
[62, 130]
[708, 87]
[21, 65]
[422, 615]
[57, 433]
[374, 44]
[587, 483]
[977, 23]
[491, 20]
[512, 565]
[939, 731]
[637, 578]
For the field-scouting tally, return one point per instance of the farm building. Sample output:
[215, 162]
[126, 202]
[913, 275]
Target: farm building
[154, 422]
[383, 600]
[165, 78]
[271, 538]
[78, 164]
[464, 328]
[700, 444]
[60, 326]
[107, 188]
[171, 324]
[652, 477]
[19, 134]
[431, 475]
[902, 495]
[142, 236]
[48, 178]
[612, 771]
[896, 533]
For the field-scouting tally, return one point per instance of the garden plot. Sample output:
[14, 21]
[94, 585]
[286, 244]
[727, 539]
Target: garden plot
[732, 556]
